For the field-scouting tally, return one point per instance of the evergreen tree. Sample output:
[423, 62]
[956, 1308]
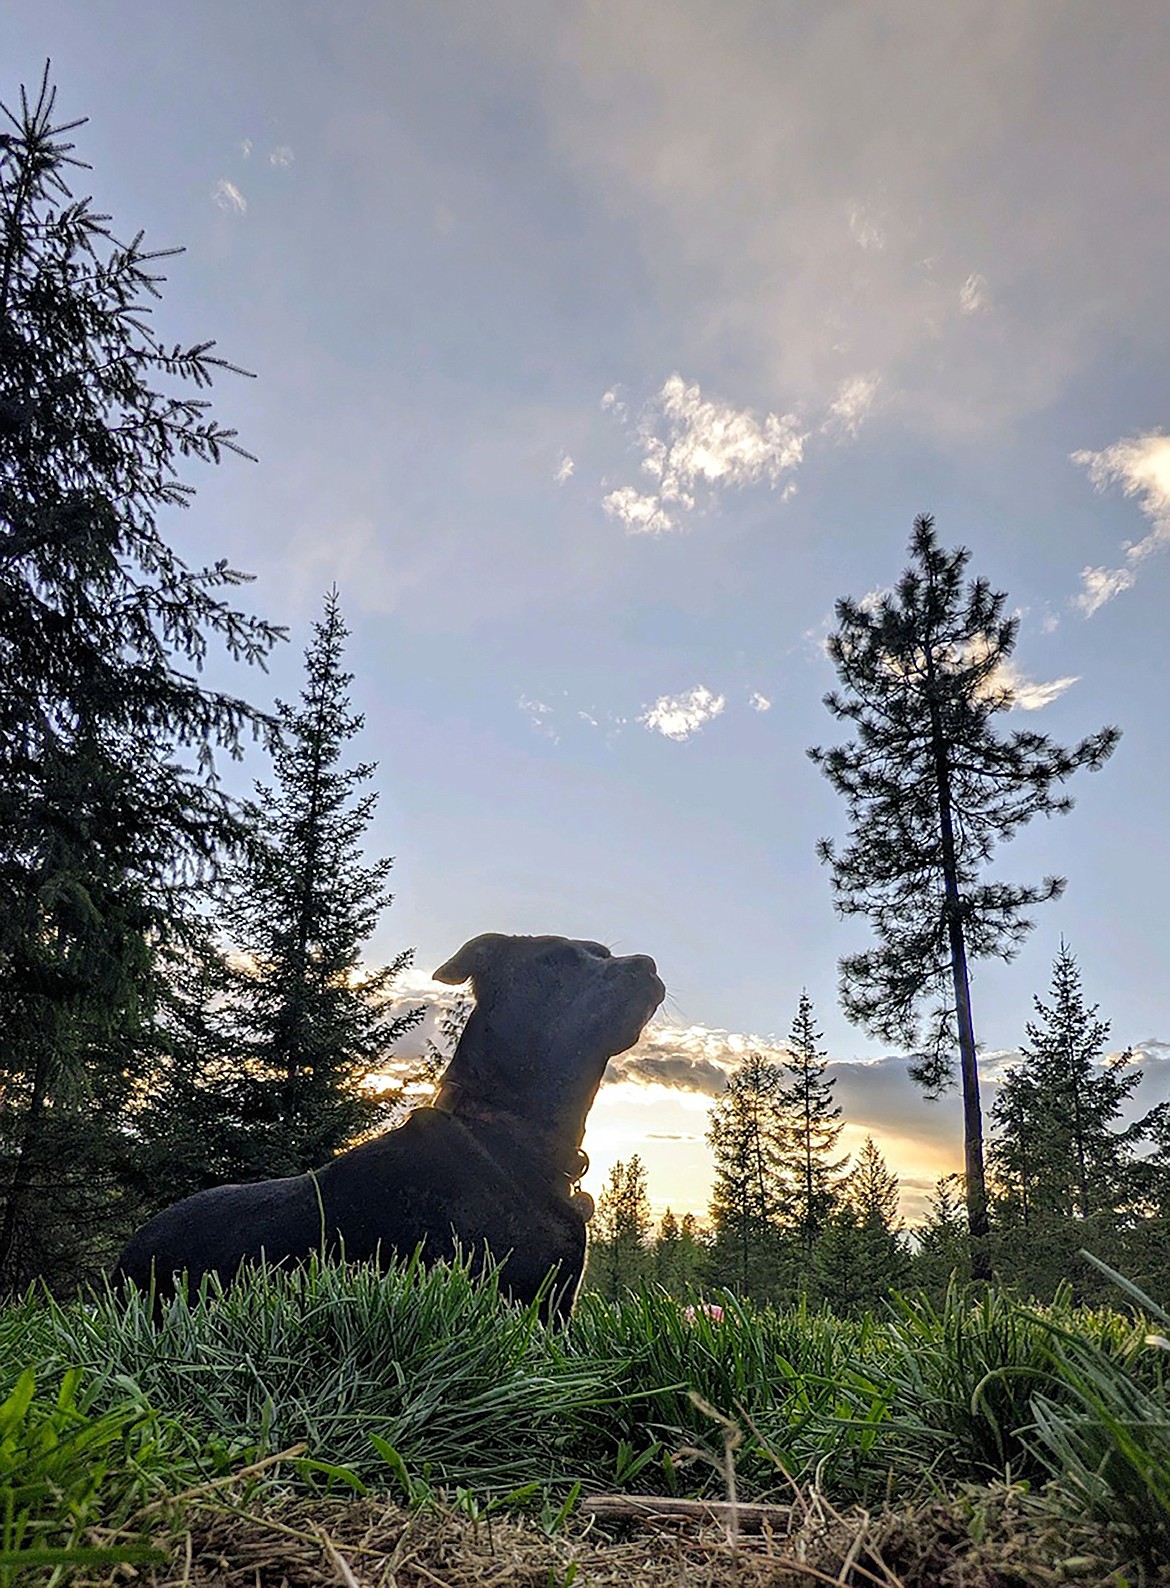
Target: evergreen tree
[109, 809]
[942, 1248]
[666, 1253]
[619, 1254]
[750, 1199]
[678, 1254]
[1144, 1258]
[815, 1127]
[312, 1020]
[860, 1255]
[1062, 1167]
[931, 788]
[439, 1050]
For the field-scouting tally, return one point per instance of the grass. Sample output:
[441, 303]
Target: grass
[423, 1383]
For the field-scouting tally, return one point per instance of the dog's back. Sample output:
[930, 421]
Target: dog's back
[215, 1231]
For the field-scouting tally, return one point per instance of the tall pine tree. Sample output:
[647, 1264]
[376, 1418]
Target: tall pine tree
[312, 1021]
[1062, 1164]
[815, 1126]
[860, 1255]
[110, 813]
[751, 1197]
[620, 1257]
[931, 788]
[942, 1251]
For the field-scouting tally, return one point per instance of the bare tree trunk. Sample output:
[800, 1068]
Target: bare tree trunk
[976, 1185]
[975, 1181]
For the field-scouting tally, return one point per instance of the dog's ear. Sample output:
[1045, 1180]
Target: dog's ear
[472, 958]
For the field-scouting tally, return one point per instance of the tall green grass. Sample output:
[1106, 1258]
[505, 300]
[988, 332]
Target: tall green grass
[1106, 1443]
[418, 1379]
[66, 1466]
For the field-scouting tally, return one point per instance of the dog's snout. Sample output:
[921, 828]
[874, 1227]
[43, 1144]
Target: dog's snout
[645, 968]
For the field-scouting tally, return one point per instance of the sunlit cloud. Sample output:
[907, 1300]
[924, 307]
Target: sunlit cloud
[642, 515]
[693, 448]
[246, 147]
[1141, 466]
[228, 197]
[759, 702]
[679, 716]
[852, 403]
[281, 157]
[1026, 694]
[973, 295]
[694, 1059]
[563, 469]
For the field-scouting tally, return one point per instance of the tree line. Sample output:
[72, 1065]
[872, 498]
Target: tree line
[791, 1220]
[182, 995]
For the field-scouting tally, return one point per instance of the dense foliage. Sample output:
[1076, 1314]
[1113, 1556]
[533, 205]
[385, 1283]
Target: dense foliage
[117, 963]
[110, 812]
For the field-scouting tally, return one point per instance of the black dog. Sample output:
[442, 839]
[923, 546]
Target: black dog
[490, 1166]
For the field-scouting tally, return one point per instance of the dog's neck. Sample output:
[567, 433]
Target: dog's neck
[558, 1150]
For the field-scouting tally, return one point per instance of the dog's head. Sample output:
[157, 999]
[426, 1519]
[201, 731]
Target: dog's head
[549, 1013]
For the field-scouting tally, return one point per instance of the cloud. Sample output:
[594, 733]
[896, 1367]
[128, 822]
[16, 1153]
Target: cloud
[772, 183]
[682, 1058]
[281, 157]
[1026, 693]
[973, 295]
[1141, 466]
[759, 702]
[246, 147]
[642, 515]
[538, 714]
[852, 403]
[679, 716]
[563, 469]
[228, 197]
[864, 229]
[693, 448]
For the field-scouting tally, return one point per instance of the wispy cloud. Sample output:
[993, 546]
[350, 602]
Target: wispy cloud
[852, 403]
[1141, 466]
[228, 197]
[281, 157]
[864, 228]
[759, 702]
[539, 715]
[974, 296]
[693, 447]
[679, 716]
[563, 469]
[1027, 694]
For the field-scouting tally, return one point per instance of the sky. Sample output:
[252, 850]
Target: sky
[599, 348]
